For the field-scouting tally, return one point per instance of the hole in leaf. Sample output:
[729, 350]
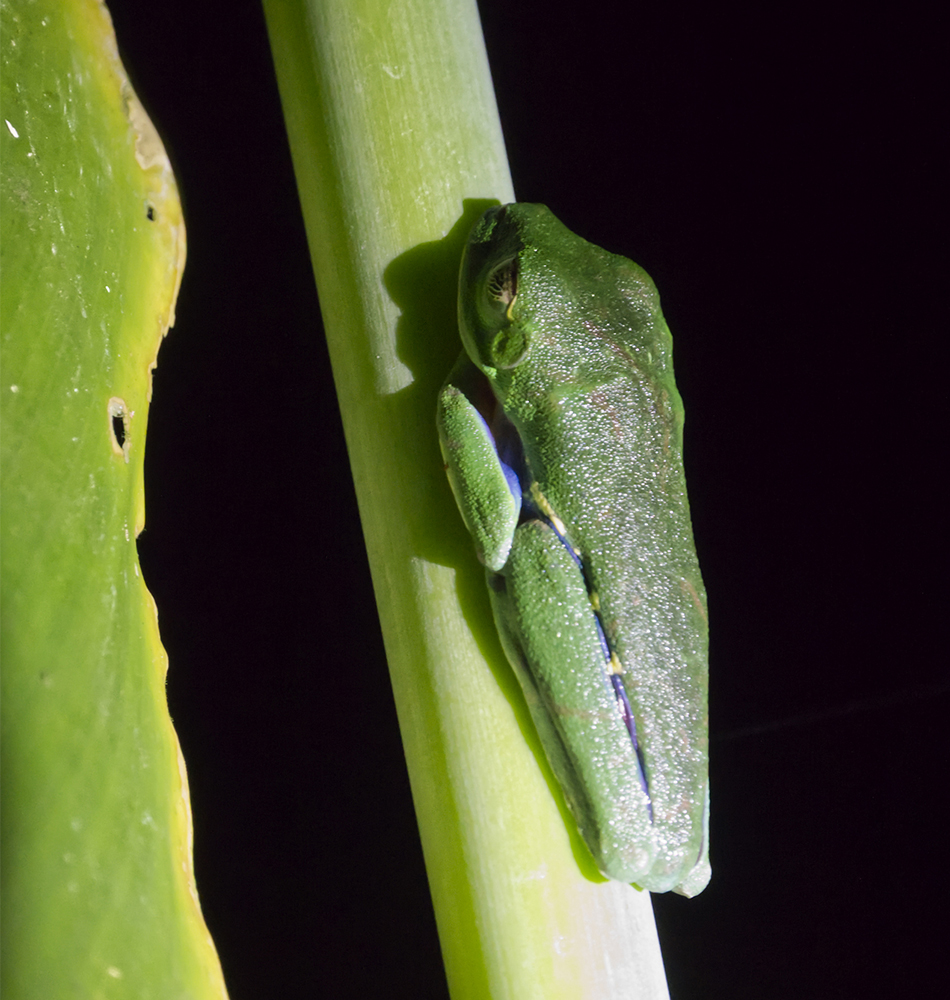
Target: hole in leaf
[118, 430]
[119, 417]
[150, 213]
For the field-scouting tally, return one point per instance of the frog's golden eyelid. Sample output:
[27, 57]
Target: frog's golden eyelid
[503, 282]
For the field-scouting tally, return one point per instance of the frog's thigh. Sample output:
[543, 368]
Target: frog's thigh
[548, 610]
[477, 477]
[549, 602]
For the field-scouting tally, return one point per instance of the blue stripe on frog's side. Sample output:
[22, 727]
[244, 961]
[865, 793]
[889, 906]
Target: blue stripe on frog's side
[514, 466]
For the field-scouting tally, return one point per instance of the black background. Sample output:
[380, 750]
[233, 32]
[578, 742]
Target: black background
[777, 169]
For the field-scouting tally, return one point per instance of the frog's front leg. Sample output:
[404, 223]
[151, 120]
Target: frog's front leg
[486, 490]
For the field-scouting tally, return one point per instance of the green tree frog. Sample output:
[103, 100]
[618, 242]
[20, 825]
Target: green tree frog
[561, 429]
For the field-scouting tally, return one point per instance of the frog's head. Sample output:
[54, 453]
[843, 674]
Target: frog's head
[503, 267]
[521, 269]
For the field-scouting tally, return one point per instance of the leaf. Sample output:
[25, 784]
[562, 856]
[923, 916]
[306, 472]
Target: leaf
[98, 891]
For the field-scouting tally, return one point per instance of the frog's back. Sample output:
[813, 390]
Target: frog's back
[603, 442]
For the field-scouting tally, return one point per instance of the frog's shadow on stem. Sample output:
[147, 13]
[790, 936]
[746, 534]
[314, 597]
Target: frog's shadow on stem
[423, 283]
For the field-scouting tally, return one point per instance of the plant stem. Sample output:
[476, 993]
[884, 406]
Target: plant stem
[397, 149]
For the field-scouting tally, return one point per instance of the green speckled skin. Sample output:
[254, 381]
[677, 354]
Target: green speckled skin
[577, 355]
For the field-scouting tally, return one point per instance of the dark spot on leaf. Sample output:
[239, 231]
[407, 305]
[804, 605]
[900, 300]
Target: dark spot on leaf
[118, 425]
[118, 429]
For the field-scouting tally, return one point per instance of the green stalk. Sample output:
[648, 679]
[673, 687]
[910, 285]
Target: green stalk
[397, 149]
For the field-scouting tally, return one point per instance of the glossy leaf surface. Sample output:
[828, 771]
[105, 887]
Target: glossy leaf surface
[98, 892]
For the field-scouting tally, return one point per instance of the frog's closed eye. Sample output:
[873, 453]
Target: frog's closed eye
[502, 284]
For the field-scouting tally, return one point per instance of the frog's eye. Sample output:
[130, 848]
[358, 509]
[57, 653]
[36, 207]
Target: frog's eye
[502, 284]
